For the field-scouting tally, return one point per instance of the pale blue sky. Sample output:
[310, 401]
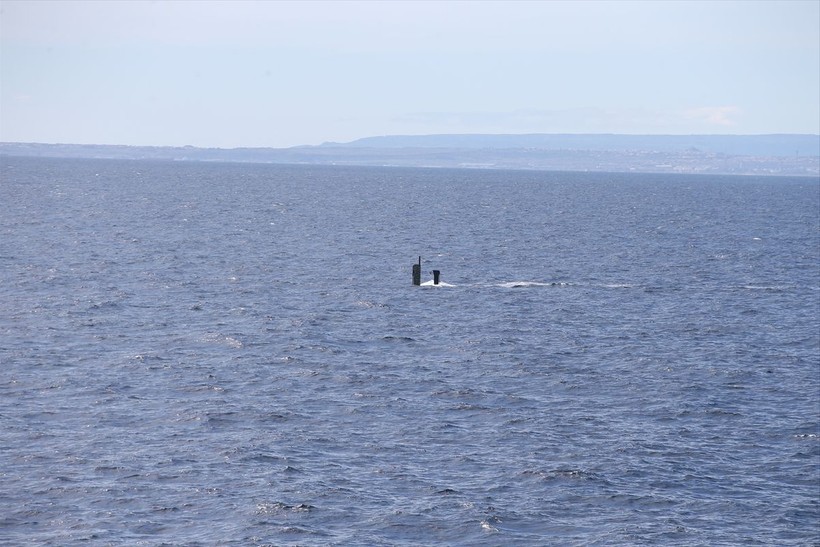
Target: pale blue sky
[231, 74]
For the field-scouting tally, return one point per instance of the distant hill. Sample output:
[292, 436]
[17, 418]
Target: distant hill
[696, 154]
[742, 145]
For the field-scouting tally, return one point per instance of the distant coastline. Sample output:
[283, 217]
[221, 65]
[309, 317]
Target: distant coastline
[783, 155]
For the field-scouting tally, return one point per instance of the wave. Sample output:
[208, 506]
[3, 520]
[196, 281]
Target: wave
[525, 284]
[775, 288]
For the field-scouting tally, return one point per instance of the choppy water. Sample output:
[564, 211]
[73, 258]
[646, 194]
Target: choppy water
[203, 354]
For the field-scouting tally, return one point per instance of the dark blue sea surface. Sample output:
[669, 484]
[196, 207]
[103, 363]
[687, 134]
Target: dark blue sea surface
[228, 354]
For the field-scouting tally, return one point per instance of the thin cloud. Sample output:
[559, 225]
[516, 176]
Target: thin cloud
[579, 120]
[721, 116]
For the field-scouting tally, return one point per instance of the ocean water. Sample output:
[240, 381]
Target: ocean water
[226, 354]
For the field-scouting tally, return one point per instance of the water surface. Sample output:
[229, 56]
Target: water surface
[230, 354]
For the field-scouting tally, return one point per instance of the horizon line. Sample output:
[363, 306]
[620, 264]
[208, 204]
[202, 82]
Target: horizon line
[411, 135]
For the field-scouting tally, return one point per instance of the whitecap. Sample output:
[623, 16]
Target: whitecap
[524, 284]
[213, 337]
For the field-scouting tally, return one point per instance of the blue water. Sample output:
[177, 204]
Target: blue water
[217, 354]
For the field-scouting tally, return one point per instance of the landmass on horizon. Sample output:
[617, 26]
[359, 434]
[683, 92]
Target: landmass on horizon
[775, 154]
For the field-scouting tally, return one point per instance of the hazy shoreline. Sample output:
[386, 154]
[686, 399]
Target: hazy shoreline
[694, 154]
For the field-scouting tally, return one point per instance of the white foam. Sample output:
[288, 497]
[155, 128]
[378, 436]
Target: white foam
[520, 284]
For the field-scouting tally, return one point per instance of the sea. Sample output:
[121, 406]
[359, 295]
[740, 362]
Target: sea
[235, 354]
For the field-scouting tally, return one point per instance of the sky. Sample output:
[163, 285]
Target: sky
[280, 74]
